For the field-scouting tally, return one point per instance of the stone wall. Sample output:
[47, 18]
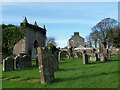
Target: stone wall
[115, 50]
[19, 47]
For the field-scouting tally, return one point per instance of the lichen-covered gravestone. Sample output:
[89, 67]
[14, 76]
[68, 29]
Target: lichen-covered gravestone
[45, 66]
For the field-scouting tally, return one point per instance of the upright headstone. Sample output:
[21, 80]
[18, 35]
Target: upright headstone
[26, 61]
[8, 64]
[19, 62]
[94, 55]
[55, 62]
[103, 53]
[85, 57]
[53, 56]
[22, 61]
[45, 66]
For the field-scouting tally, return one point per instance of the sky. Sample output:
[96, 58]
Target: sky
[61, 19]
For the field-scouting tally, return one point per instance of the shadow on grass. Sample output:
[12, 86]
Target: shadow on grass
[79, 68]
[117, 59]
[83, 76]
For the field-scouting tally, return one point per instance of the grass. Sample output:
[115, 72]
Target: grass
[72, 74]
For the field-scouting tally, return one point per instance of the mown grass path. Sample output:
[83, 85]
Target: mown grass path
[72, 74]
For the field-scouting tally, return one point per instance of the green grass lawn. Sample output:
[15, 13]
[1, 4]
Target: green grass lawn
[72, 74]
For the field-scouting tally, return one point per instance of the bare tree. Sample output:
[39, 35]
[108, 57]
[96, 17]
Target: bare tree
[88, 41]
[101, 29]
[94, 38]
[50, 41]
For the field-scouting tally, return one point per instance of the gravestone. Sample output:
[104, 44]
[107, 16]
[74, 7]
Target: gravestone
[19, 62]
[8, 64]
[22, 61]
[27, 62]
[94, 55]
[103, 53]
[45, 63]
[55, 62]
[53, 56]
[85, 57]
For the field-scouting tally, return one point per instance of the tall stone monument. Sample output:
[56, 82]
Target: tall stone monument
[45, 66]
[103, 53]
[94, 55]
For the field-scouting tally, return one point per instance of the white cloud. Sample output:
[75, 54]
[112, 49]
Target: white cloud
[61, 43]
[14, 19]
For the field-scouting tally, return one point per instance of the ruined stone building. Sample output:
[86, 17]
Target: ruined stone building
[75, 41]
[34, 36]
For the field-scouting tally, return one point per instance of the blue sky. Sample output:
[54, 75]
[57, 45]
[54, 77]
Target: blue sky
[61, 19]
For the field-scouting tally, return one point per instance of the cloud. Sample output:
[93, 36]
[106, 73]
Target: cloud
[61, 43]
[16, 19]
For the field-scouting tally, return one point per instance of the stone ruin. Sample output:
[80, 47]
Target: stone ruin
[48, 64]
[33, 37]
[16, 62]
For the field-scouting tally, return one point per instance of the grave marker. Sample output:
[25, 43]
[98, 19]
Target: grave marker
[45, 66]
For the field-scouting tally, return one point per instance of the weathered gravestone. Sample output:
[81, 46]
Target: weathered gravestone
[8, 64]
[19, 62]
[22, 61]
[85, 57]
[45, 63]
[94, 55]
[103, 53]
[53, 56]
[55, 62]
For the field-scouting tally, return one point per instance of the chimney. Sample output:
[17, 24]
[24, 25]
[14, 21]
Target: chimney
[76, 33]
